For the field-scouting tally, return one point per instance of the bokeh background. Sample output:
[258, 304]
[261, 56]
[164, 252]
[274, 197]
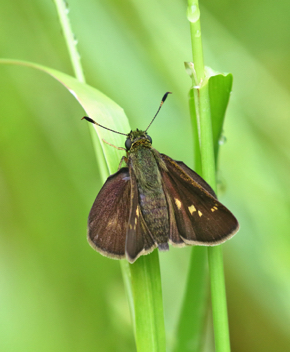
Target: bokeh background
[56, 293]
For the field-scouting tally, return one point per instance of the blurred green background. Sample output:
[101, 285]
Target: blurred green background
[56, 293]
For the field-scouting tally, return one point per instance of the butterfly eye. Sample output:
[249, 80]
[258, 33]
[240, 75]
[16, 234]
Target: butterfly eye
[128, 144]
[149, 139]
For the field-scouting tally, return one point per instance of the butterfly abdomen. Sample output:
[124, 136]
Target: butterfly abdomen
[152, 199]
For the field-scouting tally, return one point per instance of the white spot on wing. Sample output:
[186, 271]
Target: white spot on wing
[199, 213]
[192, 209]
[178, 203]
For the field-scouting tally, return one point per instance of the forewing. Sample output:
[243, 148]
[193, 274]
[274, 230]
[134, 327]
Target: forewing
[193, 175]
[196, 215]
[108, 218]
[139, 240]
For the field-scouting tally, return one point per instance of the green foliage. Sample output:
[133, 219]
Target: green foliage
[56, 293]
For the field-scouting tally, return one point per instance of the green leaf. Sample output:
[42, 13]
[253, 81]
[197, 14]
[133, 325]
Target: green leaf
[97, 105]
[220, 86]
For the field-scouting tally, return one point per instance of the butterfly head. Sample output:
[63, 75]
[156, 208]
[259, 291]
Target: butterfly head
[137, 138]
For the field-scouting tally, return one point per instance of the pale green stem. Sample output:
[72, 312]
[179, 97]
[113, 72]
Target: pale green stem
[71, 42]
[148, 305]
[202, 105]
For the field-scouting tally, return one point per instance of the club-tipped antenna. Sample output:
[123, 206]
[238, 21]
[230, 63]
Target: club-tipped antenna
[106, 128]
[162, 101]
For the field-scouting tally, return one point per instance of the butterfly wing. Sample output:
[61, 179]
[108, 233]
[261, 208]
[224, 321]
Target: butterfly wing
[192, 174]
[196, 216]
[108, 218]
[139, 240]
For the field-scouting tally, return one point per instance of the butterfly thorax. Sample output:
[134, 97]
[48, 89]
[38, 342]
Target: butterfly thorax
[144, 161]
[138, 138]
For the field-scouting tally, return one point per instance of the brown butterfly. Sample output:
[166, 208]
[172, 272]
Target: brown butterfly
[154, 201]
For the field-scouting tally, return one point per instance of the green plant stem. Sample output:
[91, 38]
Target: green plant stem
[218, 297]
[148, 306]
[126, 273]
[204, 126]
[143, 284]
[193, 15]
[63, 10]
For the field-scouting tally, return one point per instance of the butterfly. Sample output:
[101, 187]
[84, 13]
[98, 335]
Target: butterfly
[154, 201]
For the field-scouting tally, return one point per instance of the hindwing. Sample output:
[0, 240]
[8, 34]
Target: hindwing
[108, 218]
[139, 240]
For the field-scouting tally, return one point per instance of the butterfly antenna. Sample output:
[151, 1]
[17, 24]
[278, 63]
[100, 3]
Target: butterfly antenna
[106, 128]
[162, 101]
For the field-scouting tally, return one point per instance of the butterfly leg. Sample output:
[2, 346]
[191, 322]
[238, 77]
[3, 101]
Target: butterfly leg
[124, 158]
[112, 145]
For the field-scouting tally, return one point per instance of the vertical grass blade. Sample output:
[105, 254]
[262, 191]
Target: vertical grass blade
[202, 126]
[218, 298]
[192, 320]
[148, 306]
